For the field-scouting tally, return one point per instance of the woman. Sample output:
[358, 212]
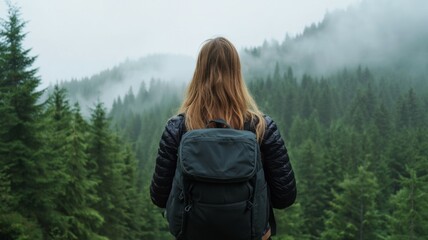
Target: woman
[218, 91]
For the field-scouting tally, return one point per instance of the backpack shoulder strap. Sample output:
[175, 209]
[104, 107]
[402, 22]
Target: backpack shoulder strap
[250, 126]
[272, 221]
[182, 127]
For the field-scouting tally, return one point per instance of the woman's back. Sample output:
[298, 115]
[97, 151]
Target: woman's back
[218, 91]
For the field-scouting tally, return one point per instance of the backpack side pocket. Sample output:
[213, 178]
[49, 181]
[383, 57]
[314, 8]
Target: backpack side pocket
[175, 210]
[261, 209]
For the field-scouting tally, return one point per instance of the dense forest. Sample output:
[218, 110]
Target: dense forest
[357, 138]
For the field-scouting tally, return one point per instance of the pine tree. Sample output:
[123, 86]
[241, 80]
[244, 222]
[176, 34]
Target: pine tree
[155, 226]
[133, 206]
[324, 104]
[413, 108]
[21, 163]
[402, 114]
[353, 213]
[75, 219]
[7, 118]
[362, 109]
[56, 124]
[106, 166]
[409, 218]
[14, 226]
[312, 186]
[84, 221]
[290, 223]
[383, 122]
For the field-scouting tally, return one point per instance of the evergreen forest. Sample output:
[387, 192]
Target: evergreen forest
[357, 138]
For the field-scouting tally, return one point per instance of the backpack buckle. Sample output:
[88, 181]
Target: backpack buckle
[249, 205]
[187, 208]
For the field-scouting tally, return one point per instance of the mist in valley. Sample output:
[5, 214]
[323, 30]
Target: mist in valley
[386, 36]
[131, 76]
[381, 34]
[349, 95]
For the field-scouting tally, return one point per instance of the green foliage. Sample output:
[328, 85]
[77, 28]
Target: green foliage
[409, 216]
[329, 140]
[60, 177]
[19, 138]
[15, 226]
[353, 213]
[358, 141]
[290, 224]
[309, 172]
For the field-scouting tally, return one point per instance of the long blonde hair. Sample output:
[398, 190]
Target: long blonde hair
[217, 90]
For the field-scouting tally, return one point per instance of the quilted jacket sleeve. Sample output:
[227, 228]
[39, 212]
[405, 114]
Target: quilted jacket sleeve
[278, 170]
[166, 162]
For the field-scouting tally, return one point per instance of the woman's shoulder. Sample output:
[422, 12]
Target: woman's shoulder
[173, 129]
[268, 120]
[176, 119]
[175, 122]
[271, 130]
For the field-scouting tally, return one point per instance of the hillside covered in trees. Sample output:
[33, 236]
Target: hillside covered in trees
[357, 136]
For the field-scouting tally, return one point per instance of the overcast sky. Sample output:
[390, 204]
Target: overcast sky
[78, 38]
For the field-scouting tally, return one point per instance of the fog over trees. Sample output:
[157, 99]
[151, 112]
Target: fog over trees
[350, 96]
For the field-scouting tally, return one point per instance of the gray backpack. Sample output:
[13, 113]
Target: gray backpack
[219, 189]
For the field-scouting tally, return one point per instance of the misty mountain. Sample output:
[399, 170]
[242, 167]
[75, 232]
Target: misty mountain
[357, 141]
[383, 35]
[130, 75]
[389, 37]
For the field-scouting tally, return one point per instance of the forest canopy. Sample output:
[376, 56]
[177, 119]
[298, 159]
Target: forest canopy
[357, 138]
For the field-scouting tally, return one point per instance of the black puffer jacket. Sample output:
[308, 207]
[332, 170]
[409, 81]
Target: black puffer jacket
[278, 171]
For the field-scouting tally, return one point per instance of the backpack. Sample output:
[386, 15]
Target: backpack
[219, 189]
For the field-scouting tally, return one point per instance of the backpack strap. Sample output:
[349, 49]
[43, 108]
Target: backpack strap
[247, 126]
[187, 188]
[272, 221]
[182, 127]
[250, 126]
